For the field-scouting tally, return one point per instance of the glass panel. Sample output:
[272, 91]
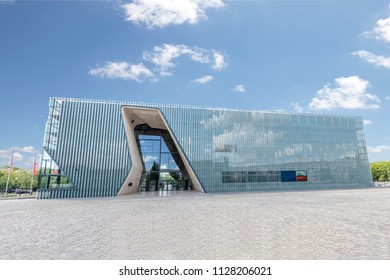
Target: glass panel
[161, 160]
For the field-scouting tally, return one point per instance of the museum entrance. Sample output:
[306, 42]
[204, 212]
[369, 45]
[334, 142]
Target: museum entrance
[163, 168]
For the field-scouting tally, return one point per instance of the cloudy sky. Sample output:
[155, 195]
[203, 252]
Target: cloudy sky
[326, 57]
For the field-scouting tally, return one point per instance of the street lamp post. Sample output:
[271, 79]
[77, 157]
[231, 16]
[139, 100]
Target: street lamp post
[9, 172]
[33, 174]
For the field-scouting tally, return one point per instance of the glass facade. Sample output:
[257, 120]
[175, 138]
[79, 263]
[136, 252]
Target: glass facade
[228, 150]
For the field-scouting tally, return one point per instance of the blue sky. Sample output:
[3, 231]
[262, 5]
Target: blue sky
[326, 57]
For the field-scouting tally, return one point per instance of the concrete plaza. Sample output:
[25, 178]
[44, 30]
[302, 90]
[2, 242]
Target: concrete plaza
[332, 224]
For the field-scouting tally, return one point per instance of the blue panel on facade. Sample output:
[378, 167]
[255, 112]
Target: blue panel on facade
[254, 150]
[288, 176]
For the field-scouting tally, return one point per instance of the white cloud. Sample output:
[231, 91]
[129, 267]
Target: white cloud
[378, 149]
[297, 107]
[197, 54]
[122, 70]
[377, 60]
[26, 149]
[18, 156]
[239, 88]
[161, 13]
[348, 93]
[382, 29]
[203, 80]
[22, 156]
[150, 159]
[219, 61]
[7, 154]
[367, 122]
[387, 97]
[163, 57]
[238, 133]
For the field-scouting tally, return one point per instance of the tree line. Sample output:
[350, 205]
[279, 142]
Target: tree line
[19, 178]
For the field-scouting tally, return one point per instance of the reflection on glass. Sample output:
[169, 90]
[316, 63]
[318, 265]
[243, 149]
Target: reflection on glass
[163, 166]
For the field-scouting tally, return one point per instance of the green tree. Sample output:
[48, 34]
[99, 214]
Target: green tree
[3, 179]
[380, 171]
[153, 175]
[175, 175]
[19, 178]
[22, 178]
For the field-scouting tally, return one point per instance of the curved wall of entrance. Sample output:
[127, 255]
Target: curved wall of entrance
[133, 117]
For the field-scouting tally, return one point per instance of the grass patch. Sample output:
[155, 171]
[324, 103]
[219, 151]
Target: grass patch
[15, 196]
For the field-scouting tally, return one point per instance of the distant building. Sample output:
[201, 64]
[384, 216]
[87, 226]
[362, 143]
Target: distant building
[106, 148]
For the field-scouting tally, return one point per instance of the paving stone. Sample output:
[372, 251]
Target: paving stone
[332, 224]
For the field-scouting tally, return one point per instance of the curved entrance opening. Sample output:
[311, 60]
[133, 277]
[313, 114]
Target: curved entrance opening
[157, 161]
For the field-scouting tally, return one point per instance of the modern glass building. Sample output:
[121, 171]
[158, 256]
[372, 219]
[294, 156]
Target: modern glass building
[105, 148]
